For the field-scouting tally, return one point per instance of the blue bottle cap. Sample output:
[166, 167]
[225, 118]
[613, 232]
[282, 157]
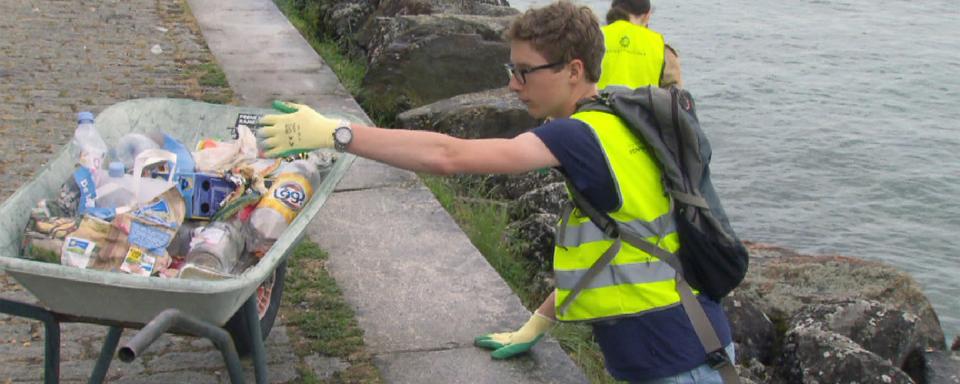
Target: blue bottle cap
[116, 169]
[85, 116]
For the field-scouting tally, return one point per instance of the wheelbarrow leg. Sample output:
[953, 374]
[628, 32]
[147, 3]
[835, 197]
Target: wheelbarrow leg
[51, 340]
[51, 351]
[258, 353]
[106, 355]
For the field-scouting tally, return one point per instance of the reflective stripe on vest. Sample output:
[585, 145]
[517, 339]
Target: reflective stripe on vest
[635, 281]
[575, 235]
[633, 57]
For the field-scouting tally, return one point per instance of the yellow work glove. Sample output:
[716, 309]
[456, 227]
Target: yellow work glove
[509, 344]
[301, 129]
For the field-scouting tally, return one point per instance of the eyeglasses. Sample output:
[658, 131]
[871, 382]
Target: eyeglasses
[521, 74]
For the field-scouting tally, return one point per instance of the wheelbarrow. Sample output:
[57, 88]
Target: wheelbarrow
[236, 314]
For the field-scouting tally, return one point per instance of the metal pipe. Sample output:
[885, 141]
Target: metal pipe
[253, 325]
[184, 323]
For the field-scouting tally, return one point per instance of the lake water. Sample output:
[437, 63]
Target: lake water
[834, 125]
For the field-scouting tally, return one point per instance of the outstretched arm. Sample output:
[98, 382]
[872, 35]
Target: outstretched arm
[442, 154]
[421, 151]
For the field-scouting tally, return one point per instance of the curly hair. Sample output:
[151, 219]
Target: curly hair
[562, 31]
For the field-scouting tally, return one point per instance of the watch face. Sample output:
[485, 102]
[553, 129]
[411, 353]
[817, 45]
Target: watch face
[343, 135]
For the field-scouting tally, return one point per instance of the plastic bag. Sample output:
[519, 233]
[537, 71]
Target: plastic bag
[227, 154]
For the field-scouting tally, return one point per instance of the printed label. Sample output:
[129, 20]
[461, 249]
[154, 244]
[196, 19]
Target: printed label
[149, 238]
[290, 194]
[138, 262]
[88, 193]
[76, 252]
[248, 120]
[158, 212]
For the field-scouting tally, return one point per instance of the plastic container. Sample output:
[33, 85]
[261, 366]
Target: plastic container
[216, 246]
[131, 145]
[121, 190]
[290, 191]
[117, 189]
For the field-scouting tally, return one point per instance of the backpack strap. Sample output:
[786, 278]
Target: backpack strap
[716, 354]
[609, 228]
[689, 199]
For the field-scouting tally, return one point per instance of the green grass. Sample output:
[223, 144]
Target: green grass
[210, 75]
[322, 320]
[577, 340]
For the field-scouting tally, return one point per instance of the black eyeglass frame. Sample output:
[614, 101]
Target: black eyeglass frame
[521, 74]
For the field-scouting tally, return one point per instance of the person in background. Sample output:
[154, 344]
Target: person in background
[636, 56]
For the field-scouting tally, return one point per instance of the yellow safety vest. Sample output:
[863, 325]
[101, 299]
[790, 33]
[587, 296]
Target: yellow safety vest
[633, 58]
[634, 282]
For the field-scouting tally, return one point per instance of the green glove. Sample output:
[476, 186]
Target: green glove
[299, 129]
[510, 344]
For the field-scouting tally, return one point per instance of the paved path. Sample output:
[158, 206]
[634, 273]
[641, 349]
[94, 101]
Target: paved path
[420, 289]
[60, 57]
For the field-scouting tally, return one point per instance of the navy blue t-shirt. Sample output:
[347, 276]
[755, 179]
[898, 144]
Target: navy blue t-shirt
[655, 344]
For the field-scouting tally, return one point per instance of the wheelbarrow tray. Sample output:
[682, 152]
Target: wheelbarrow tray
[136, 299]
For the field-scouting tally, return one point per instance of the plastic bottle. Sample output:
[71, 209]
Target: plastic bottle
[89, 146]
[290, 191]
[216, 246]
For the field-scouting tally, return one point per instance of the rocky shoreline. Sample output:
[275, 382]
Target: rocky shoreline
[436, 65]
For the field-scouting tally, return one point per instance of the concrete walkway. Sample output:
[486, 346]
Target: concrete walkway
[420, 289]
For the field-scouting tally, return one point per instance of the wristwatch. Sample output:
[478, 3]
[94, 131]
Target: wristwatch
[342, 136]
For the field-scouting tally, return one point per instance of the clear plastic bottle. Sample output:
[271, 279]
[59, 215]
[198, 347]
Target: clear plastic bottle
[89, 146]
[216, 246]
[290, 191]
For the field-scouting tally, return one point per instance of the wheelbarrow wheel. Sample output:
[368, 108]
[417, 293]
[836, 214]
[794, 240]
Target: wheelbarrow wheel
[268, 294]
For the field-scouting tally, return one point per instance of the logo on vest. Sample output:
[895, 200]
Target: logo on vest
[625, 41]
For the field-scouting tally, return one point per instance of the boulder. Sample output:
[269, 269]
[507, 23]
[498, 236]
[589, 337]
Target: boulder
[486, 114]
[783, 282]
[391, 8]
[877, 327]
[815, 355]
[344, 19]
[941, 367]
[549, 198]
[416, 60]
[512, 187]
[752, 330]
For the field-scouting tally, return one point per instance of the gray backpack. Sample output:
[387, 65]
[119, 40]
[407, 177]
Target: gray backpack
[711, 258]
